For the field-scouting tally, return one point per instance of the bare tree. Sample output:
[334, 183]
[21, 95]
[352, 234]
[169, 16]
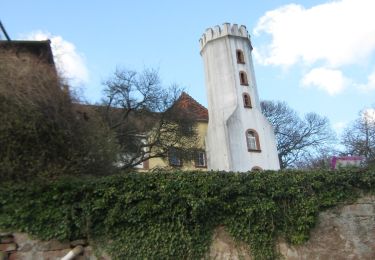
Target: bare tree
[321, 159]
[297, 139]
[146, 117]
[359, 137]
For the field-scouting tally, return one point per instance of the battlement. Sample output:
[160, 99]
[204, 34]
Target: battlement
[223, 30]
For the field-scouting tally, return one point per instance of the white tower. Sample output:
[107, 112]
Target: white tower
[239, 137]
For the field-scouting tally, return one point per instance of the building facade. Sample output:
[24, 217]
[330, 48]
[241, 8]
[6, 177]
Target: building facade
[239, 137]
[199, 114]
[233, 133]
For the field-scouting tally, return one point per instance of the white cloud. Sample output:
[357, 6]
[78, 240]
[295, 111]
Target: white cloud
[339, 126]
[336, 33]
[370, 85]
[330, 80]
[68, 61]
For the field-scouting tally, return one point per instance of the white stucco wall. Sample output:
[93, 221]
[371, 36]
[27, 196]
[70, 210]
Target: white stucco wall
[226, 145]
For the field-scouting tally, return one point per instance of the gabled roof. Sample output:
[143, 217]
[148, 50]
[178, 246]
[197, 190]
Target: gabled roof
[191, 107]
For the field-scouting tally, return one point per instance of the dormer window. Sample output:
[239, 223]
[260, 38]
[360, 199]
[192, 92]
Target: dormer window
[246, 100]
[240, 57]
[243, 78]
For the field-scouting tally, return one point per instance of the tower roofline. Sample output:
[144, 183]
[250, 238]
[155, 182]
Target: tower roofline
[226, 29]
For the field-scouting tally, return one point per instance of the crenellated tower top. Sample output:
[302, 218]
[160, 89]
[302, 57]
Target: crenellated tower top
[223, 30]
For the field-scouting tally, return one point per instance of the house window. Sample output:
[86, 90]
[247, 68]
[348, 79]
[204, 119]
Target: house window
[243, 78]
[246, 100]
[240, 57]
[252, 140]
[200, 159]
[174, 157]
[187, 128]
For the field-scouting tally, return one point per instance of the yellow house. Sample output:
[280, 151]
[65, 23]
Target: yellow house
[200, 115]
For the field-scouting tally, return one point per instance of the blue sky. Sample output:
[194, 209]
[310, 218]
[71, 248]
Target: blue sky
[318, 56]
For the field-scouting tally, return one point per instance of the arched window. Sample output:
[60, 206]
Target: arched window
[246, 100]
[243, 78]
[256, 169]
[252, 140]
[240, 57]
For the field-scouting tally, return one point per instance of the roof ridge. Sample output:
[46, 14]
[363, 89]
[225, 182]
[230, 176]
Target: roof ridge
[185, 93]
[189, 105]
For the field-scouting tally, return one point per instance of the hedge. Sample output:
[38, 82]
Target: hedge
[170, 215]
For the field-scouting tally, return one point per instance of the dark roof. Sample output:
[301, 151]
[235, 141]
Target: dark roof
[41, 49]
[190, 106]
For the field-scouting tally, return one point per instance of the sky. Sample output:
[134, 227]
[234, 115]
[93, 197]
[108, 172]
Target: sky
[316, 55]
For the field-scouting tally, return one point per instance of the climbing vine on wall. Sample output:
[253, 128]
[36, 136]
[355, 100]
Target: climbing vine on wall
[172, 215]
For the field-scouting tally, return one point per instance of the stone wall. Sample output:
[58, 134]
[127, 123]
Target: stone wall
[19, 246]
[345, 232]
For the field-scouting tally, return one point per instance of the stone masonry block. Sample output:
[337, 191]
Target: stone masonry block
[8, 247]
[52, 245]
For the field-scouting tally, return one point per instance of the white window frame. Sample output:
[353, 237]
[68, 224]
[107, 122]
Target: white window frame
[200, 160]
[251, 140]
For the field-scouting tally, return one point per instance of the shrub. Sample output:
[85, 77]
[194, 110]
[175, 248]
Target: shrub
[171, 215]
[43, 132]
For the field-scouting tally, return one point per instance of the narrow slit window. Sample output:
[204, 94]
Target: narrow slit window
[246, 100]
[243, 78]
[240, 57]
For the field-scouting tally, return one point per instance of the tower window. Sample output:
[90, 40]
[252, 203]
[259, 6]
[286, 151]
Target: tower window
[252, 140]
[246, 100]
[243, 78]
[256, 169]
[200, 159]
[240, 57]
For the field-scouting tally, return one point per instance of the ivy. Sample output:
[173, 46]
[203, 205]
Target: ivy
[169, 215]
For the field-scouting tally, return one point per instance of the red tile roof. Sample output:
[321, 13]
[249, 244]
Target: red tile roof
[191, 107]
